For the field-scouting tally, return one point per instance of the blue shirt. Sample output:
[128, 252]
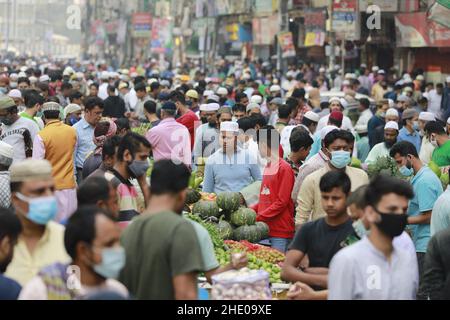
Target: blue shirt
[414, 138]
[85, 142]
[427, 189]
[9, 289]
[316, 146]
[224, 173]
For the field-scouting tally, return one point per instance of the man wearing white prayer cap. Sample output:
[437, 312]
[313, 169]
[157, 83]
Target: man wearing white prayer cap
[382, 149]
[230, 168]
[256, 99]
[336, 104]
[214, 98]
[207, 135]
[426, 148]
[44, 78]
[6, 159]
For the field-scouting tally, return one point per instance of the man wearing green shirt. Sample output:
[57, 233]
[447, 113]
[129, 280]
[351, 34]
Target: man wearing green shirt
[163, 254]
[33, 104]
[440, 139]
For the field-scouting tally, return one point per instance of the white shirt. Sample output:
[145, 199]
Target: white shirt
[285, 137]
[132, 99]
[103, 91]
[434, 102]
[13, 135]
[362, 272]
[361, 124]
[426, 151]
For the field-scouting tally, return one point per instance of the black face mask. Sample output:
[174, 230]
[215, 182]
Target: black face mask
[392, 224]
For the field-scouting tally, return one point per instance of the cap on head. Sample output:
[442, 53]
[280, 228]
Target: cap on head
[229, 126]
[427, 116]
[256, 99]
[15, 94]
[71, 108]
[51, 106]
[314, 117]
[275, 88]
[277, 101]
[337, 115]
[392, 113]
[169, 106]
[252, 106]
[222, 91]
[409, 114]
[6, 103]
[391, 125]
[6, 153]
[31, 170]
[192, 94]
[214, 97]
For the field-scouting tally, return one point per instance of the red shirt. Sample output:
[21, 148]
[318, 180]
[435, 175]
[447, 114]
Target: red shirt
[188, 120]
[275, 206]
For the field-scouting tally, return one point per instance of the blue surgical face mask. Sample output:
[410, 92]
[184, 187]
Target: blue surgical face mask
[416, 126]
[360, 229]
[113, 260]
[405, 171]
[3, 90]
[40, 210]
[340, 159]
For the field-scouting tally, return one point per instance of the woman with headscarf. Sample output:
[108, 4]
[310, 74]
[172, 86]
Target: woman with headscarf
[105, 128]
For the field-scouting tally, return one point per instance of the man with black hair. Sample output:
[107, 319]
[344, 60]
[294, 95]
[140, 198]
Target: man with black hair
[114, 104]
[170, 139]
[10, 229]
[339, 148]
[239, 111]
[16, 131]
[373, 268]
[410, 130]
[93, 90]
[123, 126]
[150, 109]
[242, 98]
[186, 116]
[131, 163]
[441, 141]
[275, 206]
[382, 149]
[322, 238]
[92, 239]
[56, 143]
[309, 124]
[427, 189]
[97, 191]
[365, 115]
[142, 98]
[63, 96]
[155, 89]
[76, 98]
[167, 269]
[93, 110]
[284, 116]
[300, 145]
[33, 103]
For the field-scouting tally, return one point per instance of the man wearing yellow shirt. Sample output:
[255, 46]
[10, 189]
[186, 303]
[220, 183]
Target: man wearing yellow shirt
[379, 88]
[41, 241]
[340, 147]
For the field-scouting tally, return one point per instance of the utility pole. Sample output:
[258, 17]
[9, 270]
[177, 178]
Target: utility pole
[332, 38]
[282, 16]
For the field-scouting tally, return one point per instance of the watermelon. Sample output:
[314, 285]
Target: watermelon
[263, 229]
[206, 209]
[243, 216]
[229, 201]
[192, 196]
[249, 233]
[225, 230]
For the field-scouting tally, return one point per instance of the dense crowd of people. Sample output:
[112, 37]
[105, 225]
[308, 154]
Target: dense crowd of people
[95, 165]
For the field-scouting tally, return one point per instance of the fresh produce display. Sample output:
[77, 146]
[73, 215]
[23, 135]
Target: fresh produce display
[261, 252]
[243, 217]
[229, 201]
[208, 196]
[142, 129]
[225, 229]
[356, 163]
[192, 196]
[384, 165]
[435, 168]
[206, 209]
[263, 228]
[441, 172]
[194, 181]
[212, 230]
[244, 284]
[249, 233]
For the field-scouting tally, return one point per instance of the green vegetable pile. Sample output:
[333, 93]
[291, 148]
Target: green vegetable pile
[384, 165]
[212, 230]
[142, 129]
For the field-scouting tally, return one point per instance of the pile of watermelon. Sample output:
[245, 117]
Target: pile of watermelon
[232, 220]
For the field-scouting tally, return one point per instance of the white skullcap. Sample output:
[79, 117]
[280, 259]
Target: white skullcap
[210, 107]
[23, 69]
[104, 75]
[375, 68]
[207, 93]
[332, 99]
[152, 80]
[346, 83]
[252, 106]
[392, 113]
[229, 126]
[420, 77]
[312, 116]
[427, 116]
[214, 98]
[347, 76]
[51, 106]
[391, 103]
[408, 89]
[322, 69]
[381, 71]
[23, 75]
[6, 150]
[391, 125]
[256, 99]
[44, 78]
[33, 79]
[326, 130]
[222, 91]
[275, 88]
[14, 76]
[15, 94]
[71, 108]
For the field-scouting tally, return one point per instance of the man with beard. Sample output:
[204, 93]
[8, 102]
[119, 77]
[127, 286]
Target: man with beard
[131, 163]
[207, 136]
[382, 149]
[10, 229]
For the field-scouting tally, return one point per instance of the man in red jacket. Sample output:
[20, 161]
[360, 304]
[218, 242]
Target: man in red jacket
[275, 206]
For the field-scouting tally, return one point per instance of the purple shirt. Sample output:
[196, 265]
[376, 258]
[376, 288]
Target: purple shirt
[170, 140]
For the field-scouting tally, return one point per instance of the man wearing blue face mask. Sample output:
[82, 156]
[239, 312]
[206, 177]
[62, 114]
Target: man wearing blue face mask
[427, 189]
[411, 128]
[41, 241]
[92, 241]
[339, 149]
